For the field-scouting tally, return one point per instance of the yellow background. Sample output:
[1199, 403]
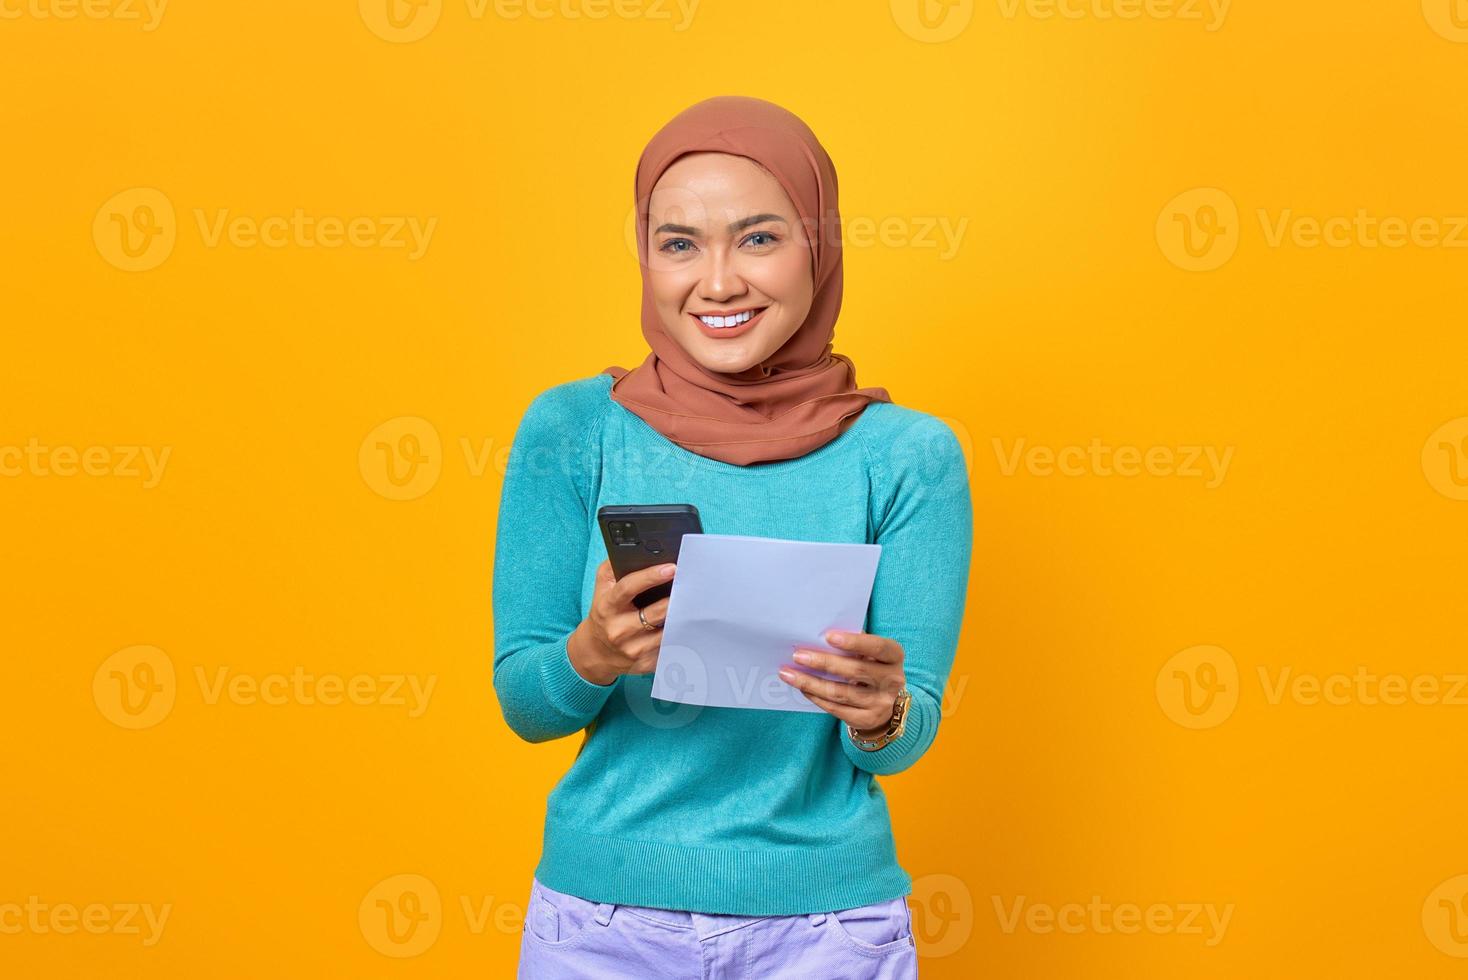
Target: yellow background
[270, 545]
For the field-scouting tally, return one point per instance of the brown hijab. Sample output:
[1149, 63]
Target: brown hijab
[803, 395]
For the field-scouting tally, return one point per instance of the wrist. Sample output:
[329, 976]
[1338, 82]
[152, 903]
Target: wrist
[872, 739]
[583, 661]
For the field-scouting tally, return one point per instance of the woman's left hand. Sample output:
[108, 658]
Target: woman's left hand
[867, 694]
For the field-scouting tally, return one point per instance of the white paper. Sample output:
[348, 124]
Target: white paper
[740, 607]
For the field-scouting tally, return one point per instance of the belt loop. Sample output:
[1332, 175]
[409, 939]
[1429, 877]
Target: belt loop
[604, 913]
[816, 918]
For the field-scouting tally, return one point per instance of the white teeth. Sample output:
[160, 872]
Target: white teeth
[728, 321]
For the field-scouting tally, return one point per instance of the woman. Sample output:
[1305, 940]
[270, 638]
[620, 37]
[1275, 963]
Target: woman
[729, 841]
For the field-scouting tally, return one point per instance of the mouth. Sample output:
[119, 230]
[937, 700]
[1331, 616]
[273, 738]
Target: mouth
[730, 324]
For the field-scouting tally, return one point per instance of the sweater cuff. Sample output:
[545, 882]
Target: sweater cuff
[567, 690]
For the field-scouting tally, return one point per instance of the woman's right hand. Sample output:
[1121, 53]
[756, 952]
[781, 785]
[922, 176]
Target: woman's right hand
[611, 640]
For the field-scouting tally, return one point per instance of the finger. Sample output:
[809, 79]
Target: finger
[845, 712]
[868, 645]
[635, 583]
[601, 590]
[838, 691]
[657, 612]
[626, 626]
[654, 614]
[855, 670]
[647, 643]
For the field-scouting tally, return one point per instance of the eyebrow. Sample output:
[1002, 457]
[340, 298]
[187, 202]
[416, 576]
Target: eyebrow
[739, 225]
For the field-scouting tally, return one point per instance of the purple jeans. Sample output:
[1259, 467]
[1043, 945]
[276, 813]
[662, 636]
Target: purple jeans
[570, 938]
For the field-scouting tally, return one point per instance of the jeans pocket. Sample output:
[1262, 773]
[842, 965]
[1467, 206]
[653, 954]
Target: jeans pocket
[557, 919]
[878, 928]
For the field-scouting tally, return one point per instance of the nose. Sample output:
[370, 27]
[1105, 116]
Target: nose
[722, 280]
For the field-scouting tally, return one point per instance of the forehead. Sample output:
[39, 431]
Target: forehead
[723, 183]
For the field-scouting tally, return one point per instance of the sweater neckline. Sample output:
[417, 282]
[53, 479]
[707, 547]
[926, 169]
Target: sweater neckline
[718, 465]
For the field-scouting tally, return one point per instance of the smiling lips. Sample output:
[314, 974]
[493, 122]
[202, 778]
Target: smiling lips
[728, 324]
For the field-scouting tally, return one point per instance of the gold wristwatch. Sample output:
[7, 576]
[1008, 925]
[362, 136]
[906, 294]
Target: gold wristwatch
[895, 727]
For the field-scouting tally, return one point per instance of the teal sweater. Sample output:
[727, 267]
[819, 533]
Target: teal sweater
[721, 810]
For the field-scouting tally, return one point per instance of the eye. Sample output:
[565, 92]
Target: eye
[770, 238]
[667, 248]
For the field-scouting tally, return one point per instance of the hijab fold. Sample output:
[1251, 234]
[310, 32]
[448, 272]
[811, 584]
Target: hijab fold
[803, 395]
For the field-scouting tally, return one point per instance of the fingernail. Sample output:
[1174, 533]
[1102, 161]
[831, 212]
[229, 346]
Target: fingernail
[837, 638]
[801, 657]
[787, 674]
[668, 570]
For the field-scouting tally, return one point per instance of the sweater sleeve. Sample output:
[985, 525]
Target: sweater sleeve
[921, 586]
[542, 534]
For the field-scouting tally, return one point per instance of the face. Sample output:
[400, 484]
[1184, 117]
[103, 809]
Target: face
[725, 242]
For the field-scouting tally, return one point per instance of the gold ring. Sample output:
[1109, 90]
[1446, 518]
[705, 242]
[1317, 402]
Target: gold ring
[645, 624]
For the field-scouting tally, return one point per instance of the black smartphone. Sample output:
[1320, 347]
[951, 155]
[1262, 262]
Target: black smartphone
[642, 535]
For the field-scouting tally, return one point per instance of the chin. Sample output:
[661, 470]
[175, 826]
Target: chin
[726, 363]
